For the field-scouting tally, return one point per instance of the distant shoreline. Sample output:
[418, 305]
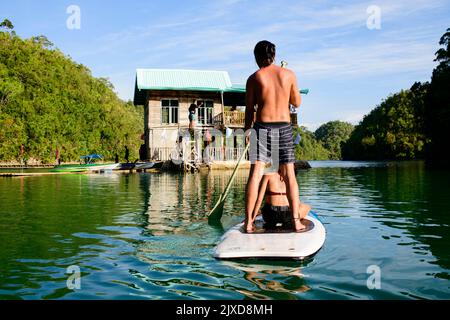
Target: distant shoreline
[33, 165]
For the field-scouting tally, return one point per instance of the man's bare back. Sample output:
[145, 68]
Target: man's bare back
[273, 88]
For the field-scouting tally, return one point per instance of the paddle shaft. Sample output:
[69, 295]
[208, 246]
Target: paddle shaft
[227, 189]
[217, 208]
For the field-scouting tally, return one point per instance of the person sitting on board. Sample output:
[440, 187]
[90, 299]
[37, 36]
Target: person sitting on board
[276, 211]
[272, 89]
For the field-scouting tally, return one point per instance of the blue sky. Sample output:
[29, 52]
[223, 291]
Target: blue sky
[348, 67]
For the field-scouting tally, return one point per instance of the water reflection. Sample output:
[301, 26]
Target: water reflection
[173, 203]
[147, 236]
[284, 279]
[414, 199]
[174, 217]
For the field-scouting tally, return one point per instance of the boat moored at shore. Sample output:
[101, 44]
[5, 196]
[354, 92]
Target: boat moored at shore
[88, 165]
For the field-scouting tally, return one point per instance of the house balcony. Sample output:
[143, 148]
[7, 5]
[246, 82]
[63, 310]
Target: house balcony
[236, 119]
[231, 119]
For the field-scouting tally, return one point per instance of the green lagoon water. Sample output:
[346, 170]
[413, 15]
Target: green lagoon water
[144, 236]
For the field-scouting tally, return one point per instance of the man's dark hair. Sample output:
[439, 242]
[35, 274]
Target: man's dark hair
[264, 52]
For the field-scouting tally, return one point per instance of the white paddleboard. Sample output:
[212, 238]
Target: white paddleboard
[235, 243]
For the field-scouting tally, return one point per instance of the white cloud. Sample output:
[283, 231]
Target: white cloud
[354, 117]
[311, 126]
[361, 60]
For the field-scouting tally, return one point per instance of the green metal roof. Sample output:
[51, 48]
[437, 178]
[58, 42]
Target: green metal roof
[173, 79]
[236, 88]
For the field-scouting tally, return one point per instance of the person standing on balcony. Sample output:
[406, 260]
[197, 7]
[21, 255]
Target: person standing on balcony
[192, 116]
[272, 89]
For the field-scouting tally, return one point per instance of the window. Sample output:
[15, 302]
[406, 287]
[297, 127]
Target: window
[169, 111]
[205, 111]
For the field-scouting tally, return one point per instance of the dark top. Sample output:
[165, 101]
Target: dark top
[271, 193]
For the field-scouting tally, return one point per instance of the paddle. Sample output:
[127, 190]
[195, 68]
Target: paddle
[216, 213]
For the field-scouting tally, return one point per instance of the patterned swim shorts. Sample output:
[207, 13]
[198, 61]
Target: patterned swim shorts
[273, 142]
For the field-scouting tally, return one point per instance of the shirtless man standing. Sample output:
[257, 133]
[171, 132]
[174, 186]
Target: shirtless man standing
[272, 89]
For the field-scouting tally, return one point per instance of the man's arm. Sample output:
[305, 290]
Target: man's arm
[295, 98]
[250, 103]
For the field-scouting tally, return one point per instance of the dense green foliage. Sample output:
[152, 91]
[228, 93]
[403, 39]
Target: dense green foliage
[332, 135]
[437, 114]
[48, 101]
[393, 130]
[309, 148]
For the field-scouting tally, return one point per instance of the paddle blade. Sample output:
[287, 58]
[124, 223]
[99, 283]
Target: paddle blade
[216, 213]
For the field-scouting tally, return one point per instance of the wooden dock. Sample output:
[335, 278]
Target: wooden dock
[32, 174]
[30, 166]
[47, 173]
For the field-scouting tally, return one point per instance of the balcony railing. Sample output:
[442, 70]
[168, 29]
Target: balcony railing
[230, 118]
[223, 154]
[237, 119]
[212, 154]
[162, 154]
